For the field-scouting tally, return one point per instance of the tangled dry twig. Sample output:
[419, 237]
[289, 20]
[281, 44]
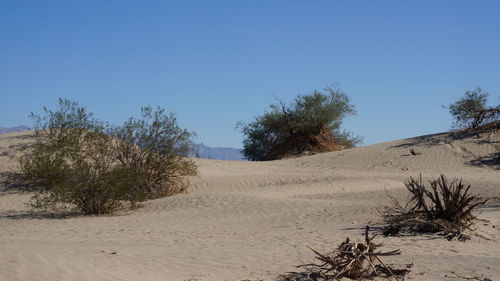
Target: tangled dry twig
[354, 260]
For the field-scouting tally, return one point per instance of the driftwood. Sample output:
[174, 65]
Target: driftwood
[352, 260]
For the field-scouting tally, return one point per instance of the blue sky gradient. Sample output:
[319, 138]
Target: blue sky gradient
[214, 63]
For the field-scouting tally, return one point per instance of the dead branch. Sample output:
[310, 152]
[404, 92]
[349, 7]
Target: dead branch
[354, 260]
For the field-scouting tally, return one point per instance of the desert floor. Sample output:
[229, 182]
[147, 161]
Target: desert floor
[253, 220]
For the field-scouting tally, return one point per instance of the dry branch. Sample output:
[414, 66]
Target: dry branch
[351, 260]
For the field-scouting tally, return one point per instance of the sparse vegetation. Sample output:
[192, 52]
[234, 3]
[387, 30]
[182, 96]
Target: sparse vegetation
[471, 111]
[445, 208]
[86, 165]
[311, 123]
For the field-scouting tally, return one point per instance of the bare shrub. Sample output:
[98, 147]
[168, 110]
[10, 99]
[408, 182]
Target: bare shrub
[445, 208]
[351, 260]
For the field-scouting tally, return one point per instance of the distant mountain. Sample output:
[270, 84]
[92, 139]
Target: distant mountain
[220, 153]
[4, 130]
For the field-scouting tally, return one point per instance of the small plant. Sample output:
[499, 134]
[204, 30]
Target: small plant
[445, 208]
[412, 152]
[351, 260]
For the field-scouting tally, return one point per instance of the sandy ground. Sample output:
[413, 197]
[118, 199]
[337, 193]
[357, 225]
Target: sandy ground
[253, 221]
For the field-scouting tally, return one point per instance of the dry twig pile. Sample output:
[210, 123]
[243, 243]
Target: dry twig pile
[351, 260]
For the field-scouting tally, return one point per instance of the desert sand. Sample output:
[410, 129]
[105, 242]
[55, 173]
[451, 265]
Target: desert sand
[253, 220]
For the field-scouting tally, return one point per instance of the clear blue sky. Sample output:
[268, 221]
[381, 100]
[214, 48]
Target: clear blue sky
[214, 63]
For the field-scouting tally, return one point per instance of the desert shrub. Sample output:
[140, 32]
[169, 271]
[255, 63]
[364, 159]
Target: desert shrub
[44, 168]
[84, 164]
[311, 123]
[157, 146]
[60, 138]
[471, 110]
[445, 208]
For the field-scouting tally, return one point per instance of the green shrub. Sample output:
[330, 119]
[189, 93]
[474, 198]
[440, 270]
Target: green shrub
[84, 164]
[43, 168]
[311, 123]
[155, 145]
[471, 111]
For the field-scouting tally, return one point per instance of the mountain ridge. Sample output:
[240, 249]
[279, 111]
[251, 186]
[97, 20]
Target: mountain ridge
[201, 150]
[20, 128]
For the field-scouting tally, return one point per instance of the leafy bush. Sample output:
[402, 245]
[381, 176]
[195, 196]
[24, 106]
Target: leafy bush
[446, 208]
[311, 123]
[157, 146]
[81, 163]
[470, 111]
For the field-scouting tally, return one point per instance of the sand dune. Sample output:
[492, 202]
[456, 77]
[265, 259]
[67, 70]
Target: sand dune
[253, 220]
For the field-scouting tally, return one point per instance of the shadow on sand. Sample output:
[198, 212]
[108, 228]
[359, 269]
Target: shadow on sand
[11, 183]
[481, 134]
[491, 160]
[20, 215]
